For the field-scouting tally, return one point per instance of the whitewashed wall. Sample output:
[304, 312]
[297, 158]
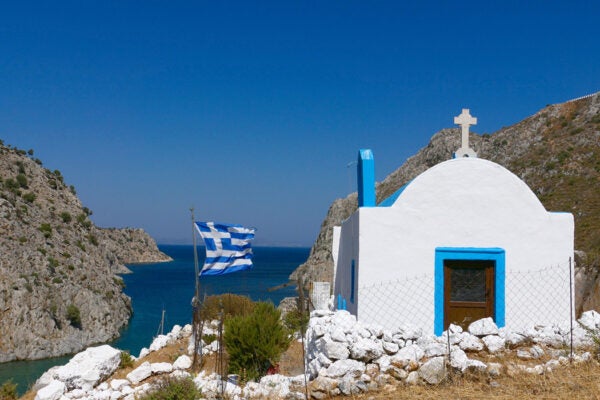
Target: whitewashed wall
[465, 202]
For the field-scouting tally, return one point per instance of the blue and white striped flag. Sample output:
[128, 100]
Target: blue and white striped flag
[227, 247]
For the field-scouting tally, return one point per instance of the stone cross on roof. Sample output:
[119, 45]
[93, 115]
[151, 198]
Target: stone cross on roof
[465, 120]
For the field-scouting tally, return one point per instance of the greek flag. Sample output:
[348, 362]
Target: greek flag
[227, 247]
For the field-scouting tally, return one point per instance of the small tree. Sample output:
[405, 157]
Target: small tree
[74, 316]
[256, 341]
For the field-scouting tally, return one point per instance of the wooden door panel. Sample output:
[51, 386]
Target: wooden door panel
[468, 291]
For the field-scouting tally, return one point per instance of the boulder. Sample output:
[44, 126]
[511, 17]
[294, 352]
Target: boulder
[334, 350]
[161, 368]
[470, 342]
[458, 358]
[483, 327]
[88, 368]
[140, 373]
[182, 362]
[159, 342]
[409, 331]
[345, 367]
[366, 350]
[433, 371]
[590, 320]
[494, 343]
[408, 354]
[52, 391]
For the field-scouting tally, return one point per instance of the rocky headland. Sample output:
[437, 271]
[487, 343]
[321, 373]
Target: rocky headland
[59, 289]
[555, 151]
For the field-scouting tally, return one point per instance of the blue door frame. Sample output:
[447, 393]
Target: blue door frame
[469, 253]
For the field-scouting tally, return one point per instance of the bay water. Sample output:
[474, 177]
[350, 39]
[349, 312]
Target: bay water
[170, 287]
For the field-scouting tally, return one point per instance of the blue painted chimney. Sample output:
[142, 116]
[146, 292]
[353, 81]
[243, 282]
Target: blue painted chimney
[366, 178]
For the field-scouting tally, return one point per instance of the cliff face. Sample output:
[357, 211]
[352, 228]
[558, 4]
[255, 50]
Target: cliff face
[59, 291]
[556, 152]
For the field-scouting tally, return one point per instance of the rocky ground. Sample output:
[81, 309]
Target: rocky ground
[346, 358]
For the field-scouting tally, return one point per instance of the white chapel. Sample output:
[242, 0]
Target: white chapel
[464, 240]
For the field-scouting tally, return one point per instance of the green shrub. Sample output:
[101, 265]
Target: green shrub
[232, 305]
[57, 280]
[209, 338]
[22, 239]
[256, 341]
[126, 360]
[66, 217]
[173, 389]
[74, 315]
[22, 180]
[46, 229]
[80, 245]
[8, 390]
[296, 320]
[29, 197]
[11, 184]
[93, 239]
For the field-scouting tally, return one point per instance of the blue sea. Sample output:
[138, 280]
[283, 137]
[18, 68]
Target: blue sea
[170, 287]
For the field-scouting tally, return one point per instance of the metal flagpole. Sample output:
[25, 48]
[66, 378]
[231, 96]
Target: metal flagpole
[197, 331]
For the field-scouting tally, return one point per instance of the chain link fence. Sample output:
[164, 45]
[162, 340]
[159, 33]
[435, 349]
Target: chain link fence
[537, 296]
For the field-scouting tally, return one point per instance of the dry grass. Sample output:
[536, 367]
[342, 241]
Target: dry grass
[570, 382]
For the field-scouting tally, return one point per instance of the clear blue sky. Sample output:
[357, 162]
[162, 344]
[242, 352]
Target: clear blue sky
[251, 112]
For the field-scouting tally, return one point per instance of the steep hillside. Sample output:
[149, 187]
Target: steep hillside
[59, 291]
[556, 152]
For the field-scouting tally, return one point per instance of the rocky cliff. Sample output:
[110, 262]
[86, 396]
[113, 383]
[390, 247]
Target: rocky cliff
[59, 291]
[556, 152]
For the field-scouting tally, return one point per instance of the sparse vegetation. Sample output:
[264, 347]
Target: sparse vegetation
[173, 389]
[255, 342]
[29, 197]
[46, 229]
[66, 217]
[230, 304]
[126, 360]
[8, 391]
[74, 316]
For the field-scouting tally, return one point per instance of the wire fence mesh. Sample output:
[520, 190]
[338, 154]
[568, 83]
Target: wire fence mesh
[536, 296]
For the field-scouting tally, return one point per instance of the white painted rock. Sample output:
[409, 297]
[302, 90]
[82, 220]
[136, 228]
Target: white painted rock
[182, 362]
[338, 334]
[89, 367]
[483, 327]
[140, 373]
[275, 386]
[144, 352]
[458, 358]
[390, 347]
[410, 332]
[53, 391]
[344, 367]
[476, 365]
[117, 384]
[161, 368]
[407, 354]
[494, 343]
[590, 320]
[335, 350]
[470, 342]
[433, 371]
[160, 342]
[435, 349]
[344, 320]
[366, 350]
[412, 378]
